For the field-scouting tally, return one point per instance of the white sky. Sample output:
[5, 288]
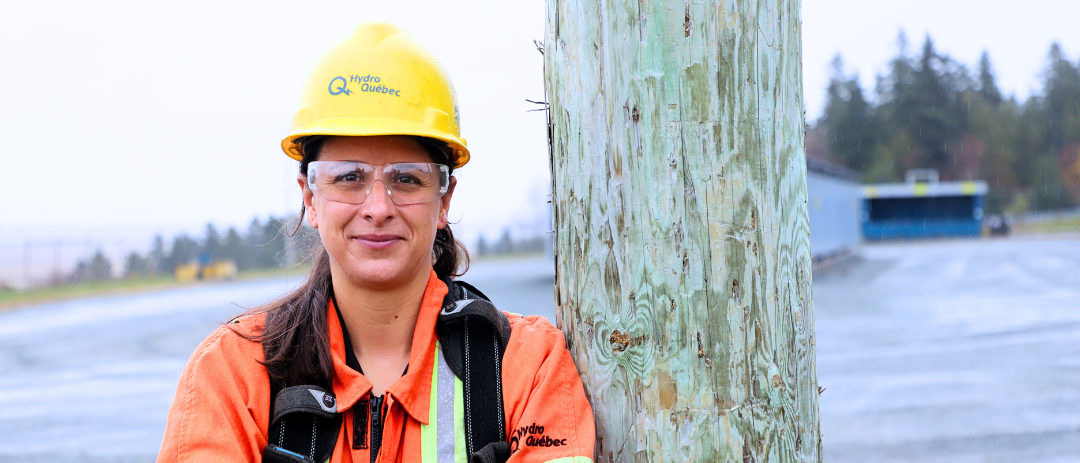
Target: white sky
[1017, 34]
[124, 119]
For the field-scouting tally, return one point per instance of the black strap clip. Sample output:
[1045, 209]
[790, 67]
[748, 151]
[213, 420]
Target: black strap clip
[303, 426]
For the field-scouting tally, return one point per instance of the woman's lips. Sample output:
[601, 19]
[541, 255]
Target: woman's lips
[378, 242]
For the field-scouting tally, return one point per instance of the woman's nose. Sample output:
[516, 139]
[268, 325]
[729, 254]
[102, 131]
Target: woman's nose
[379, 203]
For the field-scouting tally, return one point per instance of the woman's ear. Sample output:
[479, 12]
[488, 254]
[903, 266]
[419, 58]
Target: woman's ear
[444, 203]
[309, 206]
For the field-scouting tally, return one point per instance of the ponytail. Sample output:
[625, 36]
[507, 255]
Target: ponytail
[449, 255]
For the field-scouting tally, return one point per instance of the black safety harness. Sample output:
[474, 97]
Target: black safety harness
[304, 420]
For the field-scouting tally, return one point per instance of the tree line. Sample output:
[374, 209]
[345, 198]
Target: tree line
[264, 245]
[508, 244]
[931, 111]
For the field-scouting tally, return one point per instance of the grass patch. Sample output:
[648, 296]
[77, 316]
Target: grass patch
[1062, 225]
[14, 298]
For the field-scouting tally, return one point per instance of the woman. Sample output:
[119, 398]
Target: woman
[363, 354]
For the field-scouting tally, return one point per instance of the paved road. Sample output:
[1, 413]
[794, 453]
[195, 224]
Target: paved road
[952, 351]
[943, 351]
[91, 380]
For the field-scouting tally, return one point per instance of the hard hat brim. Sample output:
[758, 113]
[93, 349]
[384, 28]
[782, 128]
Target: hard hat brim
[374, 126]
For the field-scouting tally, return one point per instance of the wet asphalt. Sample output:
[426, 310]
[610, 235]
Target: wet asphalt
[958, 351]
[91, 380]
[951, 351]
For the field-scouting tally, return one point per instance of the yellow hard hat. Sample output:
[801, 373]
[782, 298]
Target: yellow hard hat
[379, 81]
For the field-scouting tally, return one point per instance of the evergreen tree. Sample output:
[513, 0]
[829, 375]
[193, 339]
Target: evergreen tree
[929, 112]
[135, 266]
[934, 118]
[156, 258]
[848, 116]
[306, 242]
[896, 94]
[212, 247]
[233, 249]
[1057, 178]
[1062, 100]
[993, 134]
[265, 243]
[98, 268]
[988, 89]
[1048, 189]
[184, 250]
[256, 244]
[505, 244]
[896, 90]
[274, 239]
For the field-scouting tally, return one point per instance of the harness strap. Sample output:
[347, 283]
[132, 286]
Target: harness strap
[304, 425]
[473, 335]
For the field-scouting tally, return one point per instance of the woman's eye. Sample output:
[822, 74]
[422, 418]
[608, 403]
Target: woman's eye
[407, 179]
[350, 177]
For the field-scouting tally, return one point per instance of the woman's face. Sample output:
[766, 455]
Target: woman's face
[377, 244]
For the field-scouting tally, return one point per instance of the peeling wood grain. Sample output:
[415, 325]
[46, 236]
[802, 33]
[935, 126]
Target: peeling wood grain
[681, 229]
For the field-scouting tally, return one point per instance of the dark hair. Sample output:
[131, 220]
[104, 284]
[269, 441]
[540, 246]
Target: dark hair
[296, 346]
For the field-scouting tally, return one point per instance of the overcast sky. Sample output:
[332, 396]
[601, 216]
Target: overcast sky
[124, 119]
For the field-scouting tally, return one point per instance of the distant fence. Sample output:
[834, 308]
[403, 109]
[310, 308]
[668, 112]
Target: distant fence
[41, 262]
[34, 263]
[1043, 222]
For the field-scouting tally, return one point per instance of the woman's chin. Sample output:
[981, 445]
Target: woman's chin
[384, 274]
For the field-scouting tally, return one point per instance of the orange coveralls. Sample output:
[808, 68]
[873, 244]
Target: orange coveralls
[221, 411]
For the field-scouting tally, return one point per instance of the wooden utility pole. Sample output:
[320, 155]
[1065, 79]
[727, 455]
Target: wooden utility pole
[682, 241]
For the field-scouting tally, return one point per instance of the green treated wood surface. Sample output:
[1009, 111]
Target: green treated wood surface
[682, 241]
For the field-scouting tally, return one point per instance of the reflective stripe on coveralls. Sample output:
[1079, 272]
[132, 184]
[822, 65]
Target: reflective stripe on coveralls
[443, 438]
[221, 411]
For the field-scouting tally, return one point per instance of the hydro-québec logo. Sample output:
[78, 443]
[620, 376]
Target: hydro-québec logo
[368, 84]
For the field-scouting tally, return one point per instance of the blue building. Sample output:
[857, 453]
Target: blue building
[922, 207]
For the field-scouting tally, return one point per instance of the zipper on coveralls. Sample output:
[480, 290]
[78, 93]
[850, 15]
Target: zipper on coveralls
[377, 418]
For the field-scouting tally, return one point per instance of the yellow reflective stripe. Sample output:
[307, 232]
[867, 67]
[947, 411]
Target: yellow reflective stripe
[459, 422]
[571, 460]
[428, 432]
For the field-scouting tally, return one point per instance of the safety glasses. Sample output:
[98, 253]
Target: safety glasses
[351, 182]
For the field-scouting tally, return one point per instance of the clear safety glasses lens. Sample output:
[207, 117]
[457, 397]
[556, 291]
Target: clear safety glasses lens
[351, 182]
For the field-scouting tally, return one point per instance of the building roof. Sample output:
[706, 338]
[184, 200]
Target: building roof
[917, 189]
[831, 169]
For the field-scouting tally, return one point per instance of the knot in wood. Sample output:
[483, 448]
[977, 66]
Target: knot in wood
[619, 341]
